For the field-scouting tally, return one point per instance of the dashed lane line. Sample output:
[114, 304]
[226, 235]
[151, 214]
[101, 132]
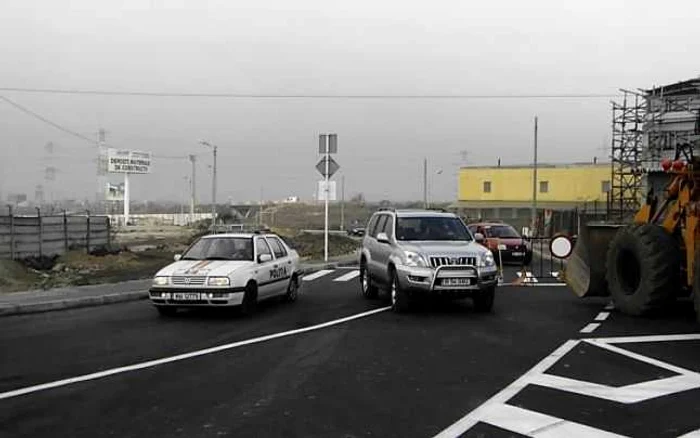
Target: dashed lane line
[179, 357]
[590, 327]
[349, 276]
[317, 274]
[602, 316]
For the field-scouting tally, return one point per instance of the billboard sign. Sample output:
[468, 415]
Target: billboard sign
[127, 161]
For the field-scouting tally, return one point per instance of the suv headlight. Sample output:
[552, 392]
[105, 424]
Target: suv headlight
[161, 281]
[218, 281]
[414, 259]
[486, 260]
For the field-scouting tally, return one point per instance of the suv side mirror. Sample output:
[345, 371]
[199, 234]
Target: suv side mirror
[177, 257]
[382, 238]
[264, 258]
[479, 237]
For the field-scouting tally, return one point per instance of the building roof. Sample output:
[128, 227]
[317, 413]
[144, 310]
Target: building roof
[690, 86]
[543, 165]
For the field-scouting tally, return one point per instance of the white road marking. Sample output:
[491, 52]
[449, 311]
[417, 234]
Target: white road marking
[651, 338]
[602, 316]
[349, 276]
[636, 356]
[528, 284]
[496, 412]
[469, 420]
[317, 274]
[535, 424]
[635, 393]
[590, 327]
[179, 357]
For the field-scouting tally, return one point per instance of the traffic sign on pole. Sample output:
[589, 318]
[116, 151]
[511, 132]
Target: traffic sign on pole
[333, 166]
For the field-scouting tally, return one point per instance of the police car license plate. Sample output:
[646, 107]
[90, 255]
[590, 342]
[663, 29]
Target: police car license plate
[456, 281]
[185, 296]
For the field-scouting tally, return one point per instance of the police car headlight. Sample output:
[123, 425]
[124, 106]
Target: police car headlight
[161, 281]
[218, 281]
[487, 260]
[414, 259]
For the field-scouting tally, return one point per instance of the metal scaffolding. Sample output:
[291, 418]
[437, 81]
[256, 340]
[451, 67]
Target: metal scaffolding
[647, 127]
[627, 126]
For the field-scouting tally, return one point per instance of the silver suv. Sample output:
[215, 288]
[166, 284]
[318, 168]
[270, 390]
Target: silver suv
[414, 253]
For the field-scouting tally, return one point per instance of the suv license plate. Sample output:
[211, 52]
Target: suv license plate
[456, 281]
[185, 296]
[517, 254]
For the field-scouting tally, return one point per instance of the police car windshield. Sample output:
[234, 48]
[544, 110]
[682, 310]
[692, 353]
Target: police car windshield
[221, 248]
[431, 228]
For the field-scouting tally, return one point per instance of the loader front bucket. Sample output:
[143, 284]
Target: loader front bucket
[585, 269]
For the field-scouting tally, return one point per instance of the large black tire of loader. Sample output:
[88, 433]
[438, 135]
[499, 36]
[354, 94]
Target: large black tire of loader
[643, 269]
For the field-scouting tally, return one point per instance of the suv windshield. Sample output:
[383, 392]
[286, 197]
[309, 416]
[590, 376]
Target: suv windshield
[431, 228]
[221, 248]
[502, 231]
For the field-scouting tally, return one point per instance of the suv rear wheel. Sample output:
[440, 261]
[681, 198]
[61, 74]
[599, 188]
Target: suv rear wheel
[369, 289]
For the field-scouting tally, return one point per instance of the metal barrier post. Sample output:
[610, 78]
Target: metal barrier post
[41, 232]
[12, 233]
[87, 234]
[65, 231]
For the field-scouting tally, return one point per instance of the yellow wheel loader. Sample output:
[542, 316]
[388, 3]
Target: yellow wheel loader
[647, 264]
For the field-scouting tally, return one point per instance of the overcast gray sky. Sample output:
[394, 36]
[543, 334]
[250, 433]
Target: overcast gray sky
[325, 47]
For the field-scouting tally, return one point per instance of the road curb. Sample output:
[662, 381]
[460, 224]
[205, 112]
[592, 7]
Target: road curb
[114, 298]
[72, 303]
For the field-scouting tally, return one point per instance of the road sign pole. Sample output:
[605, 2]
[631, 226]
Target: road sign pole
[126, 199]
[327, 191]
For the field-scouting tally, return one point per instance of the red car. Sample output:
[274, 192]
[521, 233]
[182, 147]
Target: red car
[513, 247]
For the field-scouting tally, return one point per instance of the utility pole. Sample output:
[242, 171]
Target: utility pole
[325, 234]
[342, 202]
[213, 183]
[425, 182]
[533, 213]
[260, 207]
[101, 139]
[193, 200]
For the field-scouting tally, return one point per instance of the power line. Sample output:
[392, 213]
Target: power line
[73, 133]
[47, 121]
[311, 96]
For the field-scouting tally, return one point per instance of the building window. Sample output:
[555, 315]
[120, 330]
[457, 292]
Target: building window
[605, 186]
[544, 186]
[487, 186]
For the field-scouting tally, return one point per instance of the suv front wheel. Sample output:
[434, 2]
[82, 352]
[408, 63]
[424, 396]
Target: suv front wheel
[399, 298]
[369, 290]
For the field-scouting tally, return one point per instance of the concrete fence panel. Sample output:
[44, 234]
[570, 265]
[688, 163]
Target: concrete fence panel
[32, 236]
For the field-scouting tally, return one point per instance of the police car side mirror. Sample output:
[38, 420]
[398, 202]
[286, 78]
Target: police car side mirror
[479, 237]
[177, 257]
[264, 258]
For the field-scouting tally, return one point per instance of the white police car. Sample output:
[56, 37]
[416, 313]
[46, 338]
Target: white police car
[223, 270]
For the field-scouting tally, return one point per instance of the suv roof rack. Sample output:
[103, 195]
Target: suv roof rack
[386, 209]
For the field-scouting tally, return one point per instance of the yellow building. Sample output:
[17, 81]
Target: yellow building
[486, 191]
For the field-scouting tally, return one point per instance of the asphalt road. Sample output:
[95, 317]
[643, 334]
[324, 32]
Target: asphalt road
[387, 375]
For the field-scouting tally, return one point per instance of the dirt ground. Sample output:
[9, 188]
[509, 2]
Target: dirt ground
[142, 251]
